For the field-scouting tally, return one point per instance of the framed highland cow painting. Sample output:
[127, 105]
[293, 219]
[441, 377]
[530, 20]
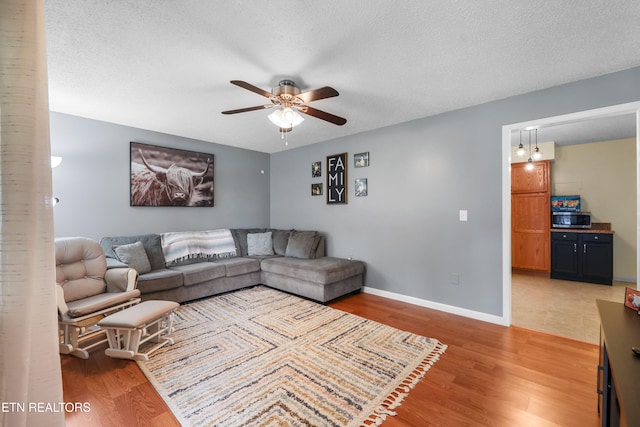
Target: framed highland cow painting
[163, 176]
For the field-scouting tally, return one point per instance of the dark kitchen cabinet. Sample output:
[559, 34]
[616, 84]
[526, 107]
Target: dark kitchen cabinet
[583, 257]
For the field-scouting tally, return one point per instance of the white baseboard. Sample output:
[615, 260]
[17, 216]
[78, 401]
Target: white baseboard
[625, 279]
[438, 306]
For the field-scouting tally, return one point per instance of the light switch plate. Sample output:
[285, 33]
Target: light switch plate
[463, 215]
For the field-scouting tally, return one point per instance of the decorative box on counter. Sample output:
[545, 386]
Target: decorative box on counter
[565, 203]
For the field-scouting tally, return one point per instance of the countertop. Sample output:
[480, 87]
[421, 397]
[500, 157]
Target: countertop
[596, 227]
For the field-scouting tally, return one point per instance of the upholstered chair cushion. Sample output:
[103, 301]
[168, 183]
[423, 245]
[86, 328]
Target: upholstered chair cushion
[80, 267]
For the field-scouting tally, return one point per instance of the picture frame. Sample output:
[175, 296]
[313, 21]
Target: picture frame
[316, 169]
[361, 187]
[162, 176]
[316, 189]
[632, 299]
[361, 160]
[337, 191]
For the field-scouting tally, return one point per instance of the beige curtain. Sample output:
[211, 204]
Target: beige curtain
[30, 376]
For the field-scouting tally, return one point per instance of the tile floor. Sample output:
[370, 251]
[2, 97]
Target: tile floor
[561, 307]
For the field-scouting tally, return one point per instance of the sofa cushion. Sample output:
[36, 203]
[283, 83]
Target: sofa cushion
[259, 244]
[280, 240]
[160, 280]
[240, 236]
[302, 244]
[239, 266]
[115, 263]
[151, 242]
[134, 256]
[200, 272]
[320, 270]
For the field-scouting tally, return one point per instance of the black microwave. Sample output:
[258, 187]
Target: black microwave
[571, 220]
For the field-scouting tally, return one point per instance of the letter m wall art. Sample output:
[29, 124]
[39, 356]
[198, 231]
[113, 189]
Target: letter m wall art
[168, 177]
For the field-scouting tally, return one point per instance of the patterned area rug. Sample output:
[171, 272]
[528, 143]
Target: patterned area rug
[260, 357]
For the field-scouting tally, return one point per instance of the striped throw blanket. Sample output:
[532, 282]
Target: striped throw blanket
[182, 245]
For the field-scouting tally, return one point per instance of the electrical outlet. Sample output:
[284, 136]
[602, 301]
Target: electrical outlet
[454, 279]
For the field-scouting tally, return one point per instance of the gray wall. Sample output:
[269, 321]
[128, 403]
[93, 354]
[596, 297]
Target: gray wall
[421, 174]
[93, 183]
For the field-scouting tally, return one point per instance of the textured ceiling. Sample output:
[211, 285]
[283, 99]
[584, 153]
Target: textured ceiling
[166, 65]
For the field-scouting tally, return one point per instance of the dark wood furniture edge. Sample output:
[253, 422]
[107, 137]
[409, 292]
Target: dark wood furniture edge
[621, 331]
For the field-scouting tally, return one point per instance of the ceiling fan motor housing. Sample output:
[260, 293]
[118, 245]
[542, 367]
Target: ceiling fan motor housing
[286, 89]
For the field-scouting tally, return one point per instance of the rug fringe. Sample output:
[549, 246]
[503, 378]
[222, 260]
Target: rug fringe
[395, 398]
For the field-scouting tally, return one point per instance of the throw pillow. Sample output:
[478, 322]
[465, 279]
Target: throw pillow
[240, 238]
[259, 244]
[134, 256]
[302, 244]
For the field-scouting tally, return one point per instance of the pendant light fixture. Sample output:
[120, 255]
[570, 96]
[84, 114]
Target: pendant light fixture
[520, 152]
[537, 154]
[529, 165]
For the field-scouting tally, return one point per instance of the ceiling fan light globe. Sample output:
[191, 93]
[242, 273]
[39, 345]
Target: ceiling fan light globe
[288, 114]
[285, 118]
[293, 117]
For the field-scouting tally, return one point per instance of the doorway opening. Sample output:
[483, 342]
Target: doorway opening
[612, 111]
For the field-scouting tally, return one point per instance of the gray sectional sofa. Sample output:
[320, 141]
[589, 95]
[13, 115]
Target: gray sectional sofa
[289, 260]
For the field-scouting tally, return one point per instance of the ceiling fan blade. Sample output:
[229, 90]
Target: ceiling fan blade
[321, 93]
[323, 115]
[252, 88]
[244, 110]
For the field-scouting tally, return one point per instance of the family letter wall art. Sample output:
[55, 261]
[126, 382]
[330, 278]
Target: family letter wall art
[337, 179]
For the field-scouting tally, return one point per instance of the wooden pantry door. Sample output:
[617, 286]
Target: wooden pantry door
[531, 217]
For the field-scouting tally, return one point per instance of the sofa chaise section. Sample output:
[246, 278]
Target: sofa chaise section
[321, 279]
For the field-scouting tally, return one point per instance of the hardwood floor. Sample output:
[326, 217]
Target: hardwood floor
[489, 376]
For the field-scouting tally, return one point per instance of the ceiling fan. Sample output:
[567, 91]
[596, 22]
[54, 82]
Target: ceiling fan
[290, 101]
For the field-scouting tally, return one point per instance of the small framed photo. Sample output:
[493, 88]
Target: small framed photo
[361, 160]
[316, 189]
[632, 299]
[361, 187]
[316, 169]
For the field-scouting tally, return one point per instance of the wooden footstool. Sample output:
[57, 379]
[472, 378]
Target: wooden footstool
[128, 329]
